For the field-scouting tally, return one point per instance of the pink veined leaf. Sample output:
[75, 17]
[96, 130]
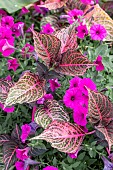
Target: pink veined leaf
[100, 108]
[53, 4]
[29, 88]
[68, 38]
[9, 152]
[47, 47]
[5, 86]
[4, 138]
[50, 111]
[64, 136]
[73, 63]
[108, 132]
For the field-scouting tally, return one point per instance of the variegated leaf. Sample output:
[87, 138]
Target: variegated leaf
[47, 47]
[99, 16]
[50, 111]
[64, 136]
[68, 38]
[100, 108]
[108, 132]
[53, 4]
[29, 88]
[73, 63]
[4, 138]
[5, 86]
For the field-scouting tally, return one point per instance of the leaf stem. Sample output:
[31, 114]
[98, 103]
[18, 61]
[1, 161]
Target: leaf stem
[89, 133]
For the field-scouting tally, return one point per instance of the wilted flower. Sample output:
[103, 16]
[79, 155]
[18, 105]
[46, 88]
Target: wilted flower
[13, 64]
[98, 32]
[26, 129]
[54, 84]
[27, 50]
[22, 154]
[98, 61]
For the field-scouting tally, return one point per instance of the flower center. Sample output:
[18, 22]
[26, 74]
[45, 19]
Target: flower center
[72, 98]
[97, 32]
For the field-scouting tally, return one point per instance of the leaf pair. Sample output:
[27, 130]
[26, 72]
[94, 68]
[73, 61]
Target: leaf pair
[99, 16]
[59, 51]
[101, 114]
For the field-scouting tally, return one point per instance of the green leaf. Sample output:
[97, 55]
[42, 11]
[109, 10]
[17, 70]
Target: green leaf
[12, 5]
[102, 50]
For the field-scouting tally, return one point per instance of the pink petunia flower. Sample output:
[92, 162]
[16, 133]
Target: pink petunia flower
[54, 84]
[45, 97]
[100, 66]
[75, 155]
[88, 83]
[22, 154]
[13, 64]
[82, 31]
[50, 168]
[98, 32]
[74, 15]
[74, 82]
[27, 50]
[26, 129]
[86, 2]
[19, 165]
[73, 97]
[47, 29]
[79, 115]
[7, 21]
[7, 109]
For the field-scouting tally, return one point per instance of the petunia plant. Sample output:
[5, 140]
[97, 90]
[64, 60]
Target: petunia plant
[56, 84]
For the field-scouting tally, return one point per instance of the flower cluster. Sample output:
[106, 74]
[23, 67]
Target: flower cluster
[76, 98]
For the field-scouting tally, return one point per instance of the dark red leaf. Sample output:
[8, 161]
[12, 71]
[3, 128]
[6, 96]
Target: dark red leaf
[4, 138]
[16, 133]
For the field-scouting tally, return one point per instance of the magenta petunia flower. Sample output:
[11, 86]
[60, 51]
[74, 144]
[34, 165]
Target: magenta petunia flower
[23, 11]
[74, 15]
[50, 168]
[27, 50]
[26, 129]
[19, 165]
[13, 64]
[98, 32]
[7, 109]
[47, 29]
[8, 78]
[88, 83]
[75, 155]
[73, 97]
[82, 31]
[45, 97]
[79, 115]
[98, 61]
[16, 28]
[22, 154]
[7, 21]
[2, 13]
[86, 2]
[74, 82]
[6, 47]
[54, 84]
